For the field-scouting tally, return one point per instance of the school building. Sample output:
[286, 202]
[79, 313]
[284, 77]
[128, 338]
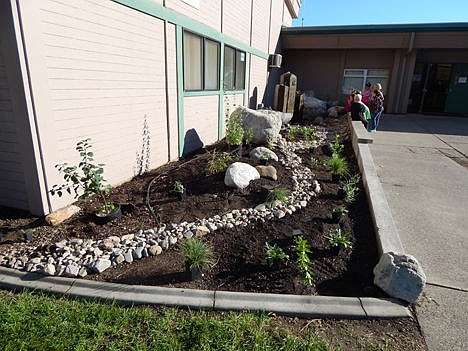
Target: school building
[145, 79]
[423, 67]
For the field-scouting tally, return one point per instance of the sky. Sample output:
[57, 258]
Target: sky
[348, 12]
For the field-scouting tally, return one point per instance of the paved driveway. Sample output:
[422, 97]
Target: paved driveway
[422, 162]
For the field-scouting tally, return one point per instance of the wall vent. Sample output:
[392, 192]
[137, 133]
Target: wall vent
[274, 61]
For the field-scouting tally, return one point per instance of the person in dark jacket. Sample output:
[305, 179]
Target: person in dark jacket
[359, 111]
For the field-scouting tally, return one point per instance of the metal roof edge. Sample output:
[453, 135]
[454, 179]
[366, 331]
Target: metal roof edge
[377, 28]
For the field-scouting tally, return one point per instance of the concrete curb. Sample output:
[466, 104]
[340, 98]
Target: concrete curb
[291, 305]
[384, 226]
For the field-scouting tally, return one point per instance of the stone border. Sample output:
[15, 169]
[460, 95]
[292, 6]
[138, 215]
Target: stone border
[291, 305]
[384, 226]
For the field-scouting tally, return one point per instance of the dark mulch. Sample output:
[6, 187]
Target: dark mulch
[240, 264]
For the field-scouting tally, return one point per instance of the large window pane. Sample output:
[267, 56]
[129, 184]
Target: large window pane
[193, 62]
[352, 83]
[240, 70]
[229, 68]
[211, 65]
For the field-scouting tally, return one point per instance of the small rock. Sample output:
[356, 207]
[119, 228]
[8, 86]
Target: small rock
[165, 244]
[188, 234]
[155, 250]
[317, 188]
[49, 269]
[28, 235]
[279, 214]
[71, 270]
[119, 259]
[36, 260]
[57, 217]
[261, 153]
[137, 252]
[260, 208]
[127, 237]
[268, 172]
[101, 265]
[83, 272]
[202, 231]
[303, 203]
[128, 256]
[144, 253]
[172, 240]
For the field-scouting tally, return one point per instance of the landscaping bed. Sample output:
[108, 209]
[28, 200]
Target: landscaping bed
[239, 252]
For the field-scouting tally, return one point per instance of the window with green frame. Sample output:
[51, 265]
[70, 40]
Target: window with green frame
[201, 62]
[234, 69]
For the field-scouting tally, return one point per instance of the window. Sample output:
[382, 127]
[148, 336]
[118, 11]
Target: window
[234, 69]
[357, 78]
[201, 63]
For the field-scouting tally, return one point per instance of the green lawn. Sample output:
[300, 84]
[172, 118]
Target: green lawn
[40, 322]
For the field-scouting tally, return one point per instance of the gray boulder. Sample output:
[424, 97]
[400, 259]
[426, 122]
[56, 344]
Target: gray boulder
[312, 106]
[284, 116]
[259, 152]
[238, 175]
[400, 276]
[265, 124]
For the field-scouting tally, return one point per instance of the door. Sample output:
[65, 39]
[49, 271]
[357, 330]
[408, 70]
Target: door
[457, 95]
[436, 87]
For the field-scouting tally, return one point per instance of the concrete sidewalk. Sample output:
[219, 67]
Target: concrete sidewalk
[423, 166]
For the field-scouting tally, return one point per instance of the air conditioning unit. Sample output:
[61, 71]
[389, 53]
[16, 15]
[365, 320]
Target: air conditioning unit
[274, 61]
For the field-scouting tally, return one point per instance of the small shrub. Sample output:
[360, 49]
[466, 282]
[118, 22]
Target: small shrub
[274, 253]
[314, 161]
[278, 194]
[219, 162]
[338, 238]
[303, 261]
[350, 188]
[248, 136]
[197, 253]
[336, 148]
[308, 134]
[234, 130]
[178, 187]
[337, 165]
[338, 212]
[291, 134]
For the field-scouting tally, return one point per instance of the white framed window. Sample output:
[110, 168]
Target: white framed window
[193, 3]
[356, 79]
[201, 62]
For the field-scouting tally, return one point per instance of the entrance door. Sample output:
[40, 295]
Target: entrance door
[457, 97]
[436, 87]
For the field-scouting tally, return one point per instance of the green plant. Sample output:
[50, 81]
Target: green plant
[314, 161]
[339, 212]
[337, 165]
[291, 134]
[86, 179]
[178, 187]
[350, 188]
[248, 136]
[337, 148]
[197, 253]
[303, 260]
[274, 253]
[234, 129]
[218, 162]
[264, 156]
[308, 134]
[278, 194]
[339, 238]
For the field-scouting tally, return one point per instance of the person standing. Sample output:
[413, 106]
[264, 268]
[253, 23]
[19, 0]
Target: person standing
[359, 111]
[376, 107]
[367, 93]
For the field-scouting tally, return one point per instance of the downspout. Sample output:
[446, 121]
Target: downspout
[402, 89]
[40, 164]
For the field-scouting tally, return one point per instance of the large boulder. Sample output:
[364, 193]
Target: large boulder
[284, 116]
[400, 276]
[260, 152]
[265, 124]
[312, 106]
[238, 175]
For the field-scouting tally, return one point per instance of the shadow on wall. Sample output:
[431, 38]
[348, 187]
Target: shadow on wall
[253, 99]
[273, 79]
[192, 143]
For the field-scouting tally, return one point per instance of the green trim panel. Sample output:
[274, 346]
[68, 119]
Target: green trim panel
[377, 28]
[156, 10]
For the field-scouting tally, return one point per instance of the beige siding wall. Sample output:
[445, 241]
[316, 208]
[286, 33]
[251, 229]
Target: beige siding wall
[172, 90]
[12, 184]
[230, 103]
[208, 13]
[258, 78]
[104, 67]
[201, 116]
[260, 25]
[236, 19]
